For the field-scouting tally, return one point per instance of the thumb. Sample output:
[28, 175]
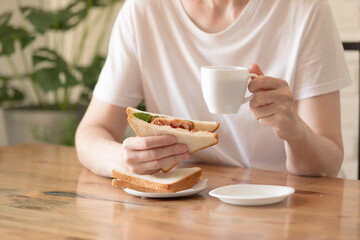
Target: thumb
[254, 68]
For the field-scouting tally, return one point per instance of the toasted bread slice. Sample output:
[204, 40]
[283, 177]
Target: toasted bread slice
[174, 181]
[195, 140]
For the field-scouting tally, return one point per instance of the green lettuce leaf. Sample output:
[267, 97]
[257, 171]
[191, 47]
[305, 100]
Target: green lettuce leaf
[143, 116]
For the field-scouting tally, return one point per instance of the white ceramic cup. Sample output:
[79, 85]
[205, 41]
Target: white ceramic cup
[224, 87]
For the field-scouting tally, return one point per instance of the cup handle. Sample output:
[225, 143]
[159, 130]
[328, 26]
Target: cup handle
[246, 99]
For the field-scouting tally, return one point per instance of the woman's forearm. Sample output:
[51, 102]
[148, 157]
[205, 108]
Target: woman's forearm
[313, 155]
[310, 127]
[97, 150]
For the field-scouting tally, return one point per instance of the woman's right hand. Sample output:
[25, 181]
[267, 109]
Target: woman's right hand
[147, 155]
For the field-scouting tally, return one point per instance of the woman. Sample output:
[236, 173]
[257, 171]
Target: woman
[156, 49]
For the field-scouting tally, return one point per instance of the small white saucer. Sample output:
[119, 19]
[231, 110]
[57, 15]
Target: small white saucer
[252, 194]
[201, 185]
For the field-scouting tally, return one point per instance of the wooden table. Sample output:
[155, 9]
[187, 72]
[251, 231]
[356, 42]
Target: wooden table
[46, 194]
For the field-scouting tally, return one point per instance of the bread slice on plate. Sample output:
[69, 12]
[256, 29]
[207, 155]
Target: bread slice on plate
[201, 137]
[161, 182]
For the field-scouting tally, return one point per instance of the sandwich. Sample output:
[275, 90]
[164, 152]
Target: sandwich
[161, 182]
[196, 135]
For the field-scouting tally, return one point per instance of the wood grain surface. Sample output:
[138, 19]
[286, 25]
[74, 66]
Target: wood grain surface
[46, 194]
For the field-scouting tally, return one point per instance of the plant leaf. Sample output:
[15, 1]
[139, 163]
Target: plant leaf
[8, 94]
[99, 3]
[70, 79]
[16, 94]
[10, 35]
[70, 16]
[47, 55]
[91, 73]
[5, 18]
[48, 77]
[41, 20]
[24, 37]
[85, 97]
[63, 19]
[142, 105]
[7, 40]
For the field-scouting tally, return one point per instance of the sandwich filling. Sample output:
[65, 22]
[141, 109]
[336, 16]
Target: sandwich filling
[174, 123]
[163, 121]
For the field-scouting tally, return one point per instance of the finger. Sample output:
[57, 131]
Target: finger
[266, 83]
[142, 171]
[277, 120]
[156, 165]
[262, 98]
[161, 152]
[268, 121]
[149, 172]
[254, 68]
[270, 96]
[143, 143]
[265, 110]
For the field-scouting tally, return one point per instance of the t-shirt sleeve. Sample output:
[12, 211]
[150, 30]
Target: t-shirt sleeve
[321, 64]
[120, 79]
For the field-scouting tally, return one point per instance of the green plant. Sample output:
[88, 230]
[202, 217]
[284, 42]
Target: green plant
[49, 75]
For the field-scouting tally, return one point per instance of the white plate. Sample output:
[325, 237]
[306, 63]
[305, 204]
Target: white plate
[201, 185]
[252, 194]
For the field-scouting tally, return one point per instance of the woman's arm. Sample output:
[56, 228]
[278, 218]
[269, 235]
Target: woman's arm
[319, 150]
[311, 127]
[99, 147]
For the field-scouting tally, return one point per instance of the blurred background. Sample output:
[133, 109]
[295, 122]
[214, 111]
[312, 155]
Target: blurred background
[51, 54]
[52, 51]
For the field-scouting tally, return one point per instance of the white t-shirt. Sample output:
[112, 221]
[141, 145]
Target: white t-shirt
[156, 52]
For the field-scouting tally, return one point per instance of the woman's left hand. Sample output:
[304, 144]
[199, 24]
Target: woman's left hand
[273, 105]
